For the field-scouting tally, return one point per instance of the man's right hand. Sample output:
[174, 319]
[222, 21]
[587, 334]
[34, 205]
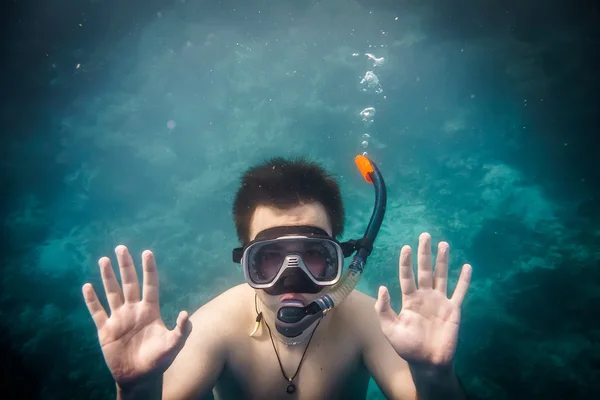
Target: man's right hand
[136, 344]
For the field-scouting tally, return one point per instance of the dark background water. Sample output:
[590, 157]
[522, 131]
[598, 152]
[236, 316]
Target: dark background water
[486, 130]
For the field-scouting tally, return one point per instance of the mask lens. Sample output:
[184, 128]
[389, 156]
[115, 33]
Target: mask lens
[265, 261]
[320, 257]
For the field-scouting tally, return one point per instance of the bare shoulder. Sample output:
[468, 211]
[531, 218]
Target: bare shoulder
[356, 316]
[232, 301]
[226, 312]
[358, 312]
[363, 298]
[388, 369]
[201, 360]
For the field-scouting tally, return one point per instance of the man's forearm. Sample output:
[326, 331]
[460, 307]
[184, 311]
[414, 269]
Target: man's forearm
[150, 390]
[433, 384]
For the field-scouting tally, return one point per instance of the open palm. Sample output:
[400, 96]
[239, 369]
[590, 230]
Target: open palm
[426, 330]
[135, 342]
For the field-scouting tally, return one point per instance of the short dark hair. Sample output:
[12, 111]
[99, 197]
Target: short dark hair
[286, 183]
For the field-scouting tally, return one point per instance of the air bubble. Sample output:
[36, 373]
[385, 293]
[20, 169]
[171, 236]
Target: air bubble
[377, 62]
[364, 144]
[367, 113]
[370, 83]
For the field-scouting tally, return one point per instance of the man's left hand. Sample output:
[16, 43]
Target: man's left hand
[425, 332]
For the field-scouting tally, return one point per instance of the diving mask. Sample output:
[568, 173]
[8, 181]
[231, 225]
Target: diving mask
[306, 256]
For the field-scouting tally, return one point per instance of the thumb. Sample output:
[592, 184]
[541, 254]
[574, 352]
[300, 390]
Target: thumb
[182, 330]
[383, 307]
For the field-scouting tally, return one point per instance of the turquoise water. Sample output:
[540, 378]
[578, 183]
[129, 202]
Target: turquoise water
[146, 117]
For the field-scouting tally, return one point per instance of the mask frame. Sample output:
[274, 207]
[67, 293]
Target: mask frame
[294, 259]
[303, 232]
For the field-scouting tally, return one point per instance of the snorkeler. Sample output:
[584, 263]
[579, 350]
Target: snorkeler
[298, 328]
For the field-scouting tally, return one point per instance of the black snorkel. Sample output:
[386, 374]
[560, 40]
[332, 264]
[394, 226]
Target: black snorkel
[292, 320]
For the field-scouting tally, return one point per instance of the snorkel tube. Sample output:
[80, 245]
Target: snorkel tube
[293, 320]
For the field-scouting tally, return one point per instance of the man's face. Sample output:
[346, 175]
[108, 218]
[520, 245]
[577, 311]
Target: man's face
[308, 214]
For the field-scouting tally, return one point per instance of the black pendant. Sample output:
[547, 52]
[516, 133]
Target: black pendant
[291, 388]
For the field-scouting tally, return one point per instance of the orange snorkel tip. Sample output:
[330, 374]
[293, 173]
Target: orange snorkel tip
[364, 166]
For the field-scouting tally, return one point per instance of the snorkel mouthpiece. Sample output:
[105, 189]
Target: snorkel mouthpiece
[288, 318]
[292, 320]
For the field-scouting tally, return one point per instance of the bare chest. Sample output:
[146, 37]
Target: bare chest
[331, 368]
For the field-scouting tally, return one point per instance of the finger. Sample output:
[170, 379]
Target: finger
[129, 280]
[182, 330]
[111, 286]
[440, 274]
[424, 261]
[407, 277]
[182, 325]
[383, 306]
[94, 306]
[463, 284]
[150, 286]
